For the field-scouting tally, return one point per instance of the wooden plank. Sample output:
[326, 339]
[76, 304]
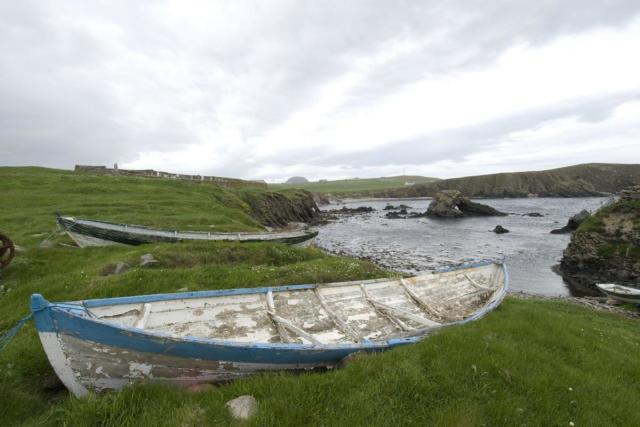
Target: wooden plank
[398, 313]
[476, 284]
[420, 301]
[341, 324]
[293, 328]
[141, 321]
[376, 305]
[282, 332]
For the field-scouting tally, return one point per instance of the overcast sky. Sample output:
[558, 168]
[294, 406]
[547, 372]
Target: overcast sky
[323, 89]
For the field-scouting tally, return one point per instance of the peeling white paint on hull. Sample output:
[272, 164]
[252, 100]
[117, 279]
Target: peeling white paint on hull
[98, 367]
[216, 336]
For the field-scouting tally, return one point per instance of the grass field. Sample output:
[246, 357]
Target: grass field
[527, 363]
[355, 187]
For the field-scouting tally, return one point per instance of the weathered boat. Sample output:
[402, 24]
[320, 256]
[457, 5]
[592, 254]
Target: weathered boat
[621, 293]
[213, 336]
[102, 233]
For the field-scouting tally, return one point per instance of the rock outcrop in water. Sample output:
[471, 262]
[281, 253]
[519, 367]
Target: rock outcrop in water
[606, 246]
[573, 223]
[451, 204]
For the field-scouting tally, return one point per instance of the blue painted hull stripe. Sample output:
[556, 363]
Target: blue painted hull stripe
[72, 319]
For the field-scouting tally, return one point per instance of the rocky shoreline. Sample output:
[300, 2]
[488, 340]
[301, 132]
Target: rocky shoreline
[595, 303]
[606, 246]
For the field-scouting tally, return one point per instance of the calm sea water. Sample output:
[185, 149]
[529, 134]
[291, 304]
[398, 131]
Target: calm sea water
[413, 245]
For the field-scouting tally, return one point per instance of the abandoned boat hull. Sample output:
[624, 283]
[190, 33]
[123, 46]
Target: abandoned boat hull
[621, 293]
[105, 344]
[88, 233]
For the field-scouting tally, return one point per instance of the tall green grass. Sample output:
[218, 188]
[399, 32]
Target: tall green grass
[526, 363]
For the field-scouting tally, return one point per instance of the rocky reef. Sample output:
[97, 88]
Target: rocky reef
[276, 209]
[606, 246]
[451, 204]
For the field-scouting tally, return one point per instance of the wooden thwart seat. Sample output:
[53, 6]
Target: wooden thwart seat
[141, 321]
[420, 301]
[349, 331]
[283, 325]
[395, 314]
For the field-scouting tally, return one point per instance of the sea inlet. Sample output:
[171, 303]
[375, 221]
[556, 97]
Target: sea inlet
[418, 244]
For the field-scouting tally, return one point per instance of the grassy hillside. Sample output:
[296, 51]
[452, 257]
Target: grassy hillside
[572, 181]
[30, 196]
[528, 362]
[356, 187]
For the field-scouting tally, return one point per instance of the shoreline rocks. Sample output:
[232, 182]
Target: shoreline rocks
[573, 223]
[606, 245]
[451, 204]
[500, 230]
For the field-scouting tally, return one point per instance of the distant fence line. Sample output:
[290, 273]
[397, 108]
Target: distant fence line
[225, 182]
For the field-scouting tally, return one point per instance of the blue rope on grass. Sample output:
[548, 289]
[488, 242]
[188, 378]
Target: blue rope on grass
[8, 336]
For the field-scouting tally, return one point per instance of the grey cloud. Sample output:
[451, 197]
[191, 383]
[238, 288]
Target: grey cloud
[455, 145]
[62, 81]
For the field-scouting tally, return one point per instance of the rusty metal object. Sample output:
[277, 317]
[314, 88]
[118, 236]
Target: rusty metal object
[7, 251]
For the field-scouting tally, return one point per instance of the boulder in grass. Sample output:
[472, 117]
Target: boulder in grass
[243, 407]
[147, 260]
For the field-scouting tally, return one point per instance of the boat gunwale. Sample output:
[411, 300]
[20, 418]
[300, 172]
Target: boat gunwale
[71, 309]
[92, 223]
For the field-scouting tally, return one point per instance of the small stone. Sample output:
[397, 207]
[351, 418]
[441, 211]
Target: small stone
[46, 244]
[612, 301]
[147, 260]
[19, 249]
[121, 267]
[243, 407]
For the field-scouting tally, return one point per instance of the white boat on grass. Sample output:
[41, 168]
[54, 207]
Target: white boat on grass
[213, 336]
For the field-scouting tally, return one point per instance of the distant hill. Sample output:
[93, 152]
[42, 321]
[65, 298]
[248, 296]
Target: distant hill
[297, 180]
[357, 187]
[591, 179]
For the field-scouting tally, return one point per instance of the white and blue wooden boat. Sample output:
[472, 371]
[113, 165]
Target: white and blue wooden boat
[102, 233]
[621, 293]
[213, 336]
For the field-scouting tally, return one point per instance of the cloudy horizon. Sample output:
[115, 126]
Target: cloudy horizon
[269, 90]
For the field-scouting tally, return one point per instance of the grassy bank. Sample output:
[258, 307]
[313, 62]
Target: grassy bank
[355, 187]
[527, 363]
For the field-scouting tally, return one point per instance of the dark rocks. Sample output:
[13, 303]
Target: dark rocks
[606, 247]
[391, 207]
[500, 230]
[573, 223]
[451, 204]
[351, 211]
[394, 215]
[277, 209]
[533, 214]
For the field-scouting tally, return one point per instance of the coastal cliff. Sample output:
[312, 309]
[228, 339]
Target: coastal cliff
[280, 208]
[593, 179]
[606, 246]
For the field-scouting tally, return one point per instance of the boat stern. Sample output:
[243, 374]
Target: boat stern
[41, 310]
